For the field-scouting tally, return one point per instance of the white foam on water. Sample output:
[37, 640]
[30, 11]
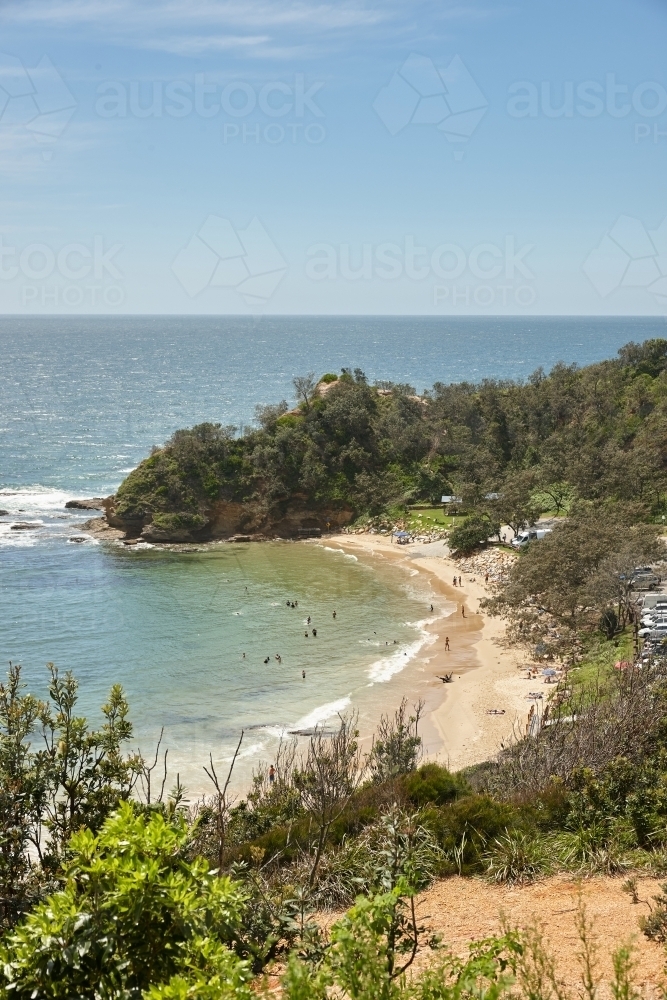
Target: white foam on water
[383, 670]
[348, 555]
[315, 718]
[17, 539]
[312, 719]
[34, 499]
[322, 713]
[247, 752]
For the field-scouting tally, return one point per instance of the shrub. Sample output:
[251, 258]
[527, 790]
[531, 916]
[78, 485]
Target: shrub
[133, 914]
[515, 857]
[470, 534]
[433, 784]
[183, 520]
[466, 826]
[654, 925]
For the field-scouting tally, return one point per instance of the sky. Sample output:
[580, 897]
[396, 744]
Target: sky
[353, 157]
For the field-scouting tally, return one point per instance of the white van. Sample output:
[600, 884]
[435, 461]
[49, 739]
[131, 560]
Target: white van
[529, 535]
[649, 601]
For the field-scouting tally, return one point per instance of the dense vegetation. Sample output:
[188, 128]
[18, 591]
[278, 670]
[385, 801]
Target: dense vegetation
[113, 887]
[596, 433]
[111, 890]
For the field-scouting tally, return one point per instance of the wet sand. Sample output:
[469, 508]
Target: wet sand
[458, 730]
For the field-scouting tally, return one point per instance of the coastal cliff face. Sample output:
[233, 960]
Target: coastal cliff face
[227, 519]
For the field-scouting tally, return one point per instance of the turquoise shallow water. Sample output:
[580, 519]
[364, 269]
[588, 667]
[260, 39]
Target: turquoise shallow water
[172, 628]
[81, 402]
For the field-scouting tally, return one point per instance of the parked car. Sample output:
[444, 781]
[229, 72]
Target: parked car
[654, 631]
[654, 620]
[644, 578]
[529, 535]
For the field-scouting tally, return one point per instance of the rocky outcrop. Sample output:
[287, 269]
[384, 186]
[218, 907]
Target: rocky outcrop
[97, 503]
[229, 520]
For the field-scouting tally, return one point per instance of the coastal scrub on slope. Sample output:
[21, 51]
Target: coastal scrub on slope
[507, 449]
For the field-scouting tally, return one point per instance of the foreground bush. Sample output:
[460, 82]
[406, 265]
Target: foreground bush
[133, 919]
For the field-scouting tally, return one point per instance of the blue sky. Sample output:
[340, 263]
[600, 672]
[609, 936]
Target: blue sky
[175, 156]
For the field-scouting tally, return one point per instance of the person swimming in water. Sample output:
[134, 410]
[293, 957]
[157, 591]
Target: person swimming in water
[303, 674]
[305, 634]
[308, 620]
[315, 632]
[334, 614]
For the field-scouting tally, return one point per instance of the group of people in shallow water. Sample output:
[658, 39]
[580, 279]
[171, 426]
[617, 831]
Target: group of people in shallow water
[313, 632]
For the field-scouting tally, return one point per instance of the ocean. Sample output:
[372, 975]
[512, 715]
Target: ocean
[82, 401]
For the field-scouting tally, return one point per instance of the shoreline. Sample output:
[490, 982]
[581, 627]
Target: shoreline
[458, 730]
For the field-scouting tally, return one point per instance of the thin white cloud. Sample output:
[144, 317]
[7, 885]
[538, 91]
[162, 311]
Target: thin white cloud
[257, 29]
[192, 45]
[122, 15]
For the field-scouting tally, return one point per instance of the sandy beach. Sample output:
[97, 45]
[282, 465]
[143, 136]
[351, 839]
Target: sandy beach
[458, 728]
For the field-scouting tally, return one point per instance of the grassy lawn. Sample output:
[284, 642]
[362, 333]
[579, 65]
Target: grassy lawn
[597, 667]
[432, 517]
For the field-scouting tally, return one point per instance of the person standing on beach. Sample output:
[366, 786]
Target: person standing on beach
[454, 581]
[272, 774]
[463, 610]
[447, 643]
[459, 581]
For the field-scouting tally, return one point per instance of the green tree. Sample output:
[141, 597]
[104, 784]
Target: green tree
[134, 919]
[397, 745]
[74, 779]
[471, 533]
[514, 504]
[570, 576]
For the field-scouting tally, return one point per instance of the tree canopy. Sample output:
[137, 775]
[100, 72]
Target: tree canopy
[598, 432]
